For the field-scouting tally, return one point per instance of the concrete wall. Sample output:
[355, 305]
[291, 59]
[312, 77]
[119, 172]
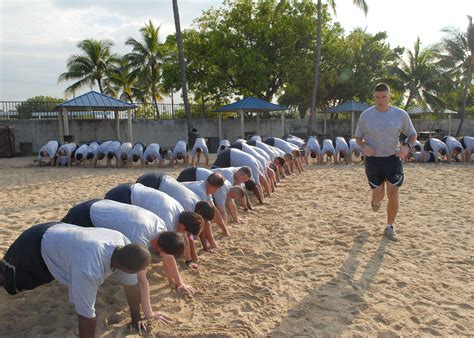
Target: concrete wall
[167, 132]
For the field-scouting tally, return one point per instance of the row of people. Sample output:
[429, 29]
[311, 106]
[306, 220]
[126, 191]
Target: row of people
[156, 213]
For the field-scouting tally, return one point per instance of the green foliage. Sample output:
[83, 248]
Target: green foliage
[37, 104]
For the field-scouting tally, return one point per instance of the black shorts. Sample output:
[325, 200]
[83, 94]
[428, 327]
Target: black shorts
[187, 175]
[121, 193]
[236, 145]
[427, 145]
[379, 169]
[270, 141]
[80, 214]
[151, 180]
[223, 159]
[25, 268]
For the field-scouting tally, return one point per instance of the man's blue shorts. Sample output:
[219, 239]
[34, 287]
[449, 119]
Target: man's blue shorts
[379, 169]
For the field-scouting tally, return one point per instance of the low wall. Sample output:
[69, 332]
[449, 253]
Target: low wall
[168, 132]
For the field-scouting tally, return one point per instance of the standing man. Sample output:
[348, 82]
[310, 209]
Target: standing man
[377, 133]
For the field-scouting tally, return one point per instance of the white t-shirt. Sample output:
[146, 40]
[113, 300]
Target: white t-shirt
[220, 195]
[469, 143]
[138, 224]
[125, 148]
[256, 138]
[93, 148]
[283, 145]
[114, 148]
[313, 145]
[341, 145]
[228, 173]
[269, 150]
[103, 148]
[328, 147]
[82, 150]
[161, 204]
[223, 145]
[154, 150]
[353, 146]
[187, 198]
[138, 150]
[200, 143]
[51, 148]
[437, 145]
[238, 158]
[68, 148]
[80, 259]
[252, 151]
[180, 147]
[199, 188]
[452, 143]
[296, 141]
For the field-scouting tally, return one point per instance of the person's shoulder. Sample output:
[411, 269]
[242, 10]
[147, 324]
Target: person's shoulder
[368, 111]
[398, 111]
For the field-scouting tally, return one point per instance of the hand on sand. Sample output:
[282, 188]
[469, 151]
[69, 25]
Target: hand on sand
[185, 289]
[192, 265]
[140, 326]
[161, 317]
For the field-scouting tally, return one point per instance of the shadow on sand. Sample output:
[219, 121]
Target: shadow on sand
[330, 309]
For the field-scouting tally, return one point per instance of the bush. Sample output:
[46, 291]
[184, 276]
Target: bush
[37, 104]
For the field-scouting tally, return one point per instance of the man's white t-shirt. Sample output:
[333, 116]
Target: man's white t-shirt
[80, 259]
[187, 198]
[82, 150]
[125, 148]
[138, 224]
[180, 147]
[103, 148]
[138, 150]
[93, 148]
[228, 173]
[353, 146]
[328, 147]
[437, 145]
[199, 188]
[452, 143]
[341, 145]
[313, 145]
[238, 158]
[51, 148]
[200, 143]
[220, 195]
[161, 204]
[154, 150]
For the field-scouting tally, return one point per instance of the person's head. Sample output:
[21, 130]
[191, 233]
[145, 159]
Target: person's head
[62, 152]
[79, 157]
[150, 158]
[279, 161]
[272, 166]
[242, 175]
[442, 151]
[110, 155]
[206, 210]
[194, 130]
[382, 96]
[215, 180]
[132, 258]
[179, 155]
[456, 151]
[417, 147]
[124, 157]
[191, 222]
[288, 158]
[198, 150]
[250, 185]
[100, 155]
[222, 147]
[44, 153]
[357, 153]
[170, 242]
[238, 193]
[135, 157]
[312, 154]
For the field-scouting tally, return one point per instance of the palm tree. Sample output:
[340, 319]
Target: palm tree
[419, 74]
[90, 67]
[145, 59]
[359, 3]
[457, 59]
[122, 81]
[182, 64]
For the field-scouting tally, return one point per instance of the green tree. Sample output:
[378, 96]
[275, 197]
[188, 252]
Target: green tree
[457, 59]
[359, 3]
[418, 73]
[91, 67]
[145, 59]
[182, 63]
[37, 104]
[122, 82]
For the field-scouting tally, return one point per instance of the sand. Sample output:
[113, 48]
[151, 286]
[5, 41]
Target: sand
[311, 261]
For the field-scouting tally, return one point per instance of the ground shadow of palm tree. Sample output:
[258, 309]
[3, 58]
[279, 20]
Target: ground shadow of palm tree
[331, 308]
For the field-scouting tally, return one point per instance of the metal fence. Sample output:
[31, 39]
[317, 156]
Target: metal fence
[39, 110]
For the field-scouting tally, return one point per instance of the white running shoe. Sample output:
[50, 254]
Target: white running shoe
[390, 234]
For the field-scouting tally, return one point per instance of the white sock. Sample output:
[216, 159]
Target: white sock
[389, 226]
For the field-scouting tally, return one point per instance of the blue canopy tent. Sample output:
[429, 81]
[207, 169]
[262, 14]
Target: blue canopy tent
[94, 101]
[347, 107]
[251, 104]
[427, 110]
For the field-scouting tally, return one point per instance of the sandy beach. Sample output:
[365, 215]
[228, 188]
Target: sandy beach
[311, 261]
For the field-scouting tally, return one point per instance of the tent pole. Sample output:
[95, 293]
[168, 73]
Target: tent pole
[130, 131]
[65, 121]
[449, 124]
[325, 126]
[117, 125]
[242, 126]
[258, 124]
[352, 124]
[220, 126]
[61, 126]
[283, 122]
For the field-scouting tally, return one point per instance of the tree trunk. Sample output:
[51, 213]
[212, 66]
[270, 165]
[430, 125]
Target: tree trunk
[317, 65]
[410, 98]
[155, 103]
[182, 65]
[99, 83]
[463, 108]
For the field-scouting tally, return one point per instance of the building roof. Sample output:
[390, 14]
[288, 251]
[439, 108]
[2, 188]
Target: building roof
[251, 104]
[95, 101]
[348, 107]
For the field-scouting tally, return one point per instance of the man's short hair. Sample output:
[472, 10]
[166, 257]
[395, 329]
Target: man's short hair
[171, 242]
[216, 180]
[110, 155]
[272, 166]
[280, 160]
[100, 155]
[179, 156]
[382, 87]
[246, 171]
[133, 257]
[89, 156]
[312, 154]
[206, 210]
[150, 158]
[238, 191]
[78, 157]
[458, 149]
[417, 147]
[289, 156]
[250, 185]
[124, 157]
[192, 222]
[135, 157]
[442, 151]
[198, 150]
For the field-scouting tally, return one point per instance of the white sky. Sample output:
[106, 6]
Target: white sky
[38, 36]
